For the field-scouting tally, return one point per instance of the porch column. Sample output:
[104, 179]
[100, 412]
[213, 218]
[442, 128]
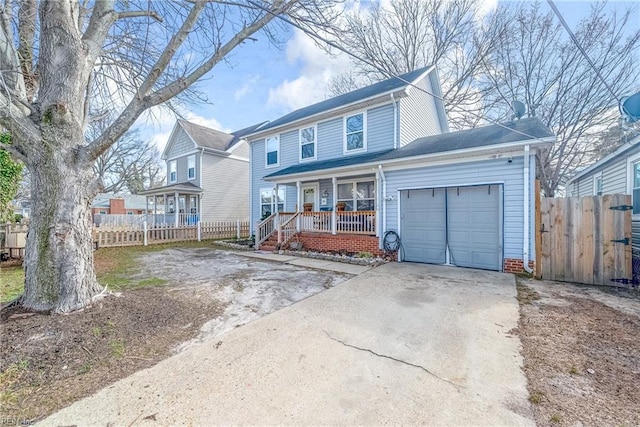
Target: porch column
[176, 209]
[298, 204]
[334, 216]
[377, 202]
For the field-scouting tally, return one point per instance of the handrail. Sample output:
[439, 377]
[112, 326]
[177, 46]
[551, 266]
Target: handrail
[286, 231]
[265, 229]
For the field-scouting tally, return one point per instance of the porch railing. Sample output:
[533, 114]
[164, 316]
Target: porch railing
[288, 229]
[316, 221]
[358, 222]
[265, 229]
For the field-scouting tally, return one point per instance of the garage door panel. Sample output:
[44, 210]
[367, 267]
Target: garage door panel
[474, 221]
[423, 225]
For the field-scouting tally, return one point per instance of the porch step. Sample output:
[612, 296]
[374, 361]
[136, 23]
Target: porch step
[267, 247]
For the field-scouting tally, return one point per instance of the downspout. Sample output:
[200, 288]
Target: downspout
[395, 122]
[383, 229]
[527, 207]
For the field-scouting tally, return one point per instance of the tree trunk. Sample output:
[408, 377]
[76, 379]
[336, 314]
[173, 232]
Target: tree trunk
[59, 254]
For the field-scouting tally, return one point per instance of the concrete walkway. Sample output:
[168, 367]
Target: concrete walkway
[320, 264]
[399, 344]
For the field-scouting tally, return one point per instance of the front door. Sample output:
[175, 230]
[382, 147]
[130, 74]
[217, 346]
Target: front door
[310, 201]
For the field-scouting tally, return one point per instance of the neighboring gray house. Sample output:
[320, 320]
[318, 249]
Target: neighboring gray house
[207, 176]
[339, 174]
[617, 173]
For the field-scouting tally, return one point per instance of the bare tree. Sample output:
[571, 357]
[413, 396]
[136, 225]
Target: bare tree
[129, 165]
[61, 59]
[535, 62]
[410, 34]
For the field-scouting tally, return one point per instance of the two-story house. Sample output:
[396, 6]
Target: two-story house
[207, 176]
[340, 175]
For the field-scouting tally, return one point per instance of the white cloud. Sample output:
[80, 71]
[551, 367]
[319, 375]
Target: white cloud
[246, 88]
[318, 68]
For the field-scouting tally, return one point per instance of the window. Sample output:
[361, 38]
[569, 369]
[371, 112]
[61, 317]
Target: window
[129, 212]
[597, 185]
[636, 188]
[102, 213]
[354, 133]
[308, 143]
[360, 195]
[173, 172]
[273, 148]
[191, 167]
[267, 201]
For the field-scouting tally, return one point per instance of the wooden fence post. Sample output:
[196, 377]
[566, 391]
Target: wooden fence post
[199, 232]
[144, 232]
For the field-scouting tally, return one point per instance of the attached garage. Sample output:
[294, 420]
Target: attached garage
[453, 225]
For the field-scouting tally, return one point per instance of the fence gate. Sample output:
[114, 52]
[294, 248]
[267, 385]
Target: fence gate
[586, 240]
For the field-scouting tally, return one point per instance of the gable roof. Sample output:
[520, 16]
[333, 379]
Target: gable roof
[486, 136]
[622, 151]
[205, 137]
[358, 95]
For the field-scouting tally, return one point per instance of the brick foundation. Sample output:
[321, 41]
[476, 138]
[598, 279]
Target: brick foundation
[323, 242]
[512, 265]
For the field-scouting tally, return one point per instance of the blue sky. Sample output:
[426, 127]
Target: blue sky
[263, 82]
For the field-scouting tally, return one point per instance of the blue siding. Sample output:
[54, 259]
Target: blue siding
[380, 128]
[330, 139]
[481, 172]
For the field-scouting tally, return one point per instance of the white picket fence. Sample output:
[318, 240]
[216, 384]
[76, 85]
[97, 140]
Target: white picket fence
[134, 236]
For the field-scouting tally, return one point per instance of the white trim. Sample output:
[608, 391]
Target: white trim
[315, 143]
[266, 152]
[251, 226]
[195, 173]
[316, 202]
[630, 162]
[236, 145]
[354, 185]
[169, 180]
[241, 159]
[188, 153]
[596, 177]
[201, 172]
[503, 151]
[364, 133]
[454, 184]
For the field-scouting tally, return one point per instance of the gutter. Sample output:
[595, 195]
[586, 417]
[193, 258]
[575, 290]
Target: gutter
[527, 207]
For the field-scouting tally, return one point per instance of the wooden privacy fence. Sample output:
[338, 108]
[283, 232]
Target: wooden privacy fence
[585, 240]
[168, 234]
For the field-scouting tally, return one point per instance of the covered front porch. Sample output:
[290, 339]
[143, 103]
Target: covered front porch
[175, 204]
[336, 206]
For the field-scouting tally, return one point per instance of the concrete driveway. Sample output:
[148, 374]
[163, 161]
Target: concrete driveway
[398, 344]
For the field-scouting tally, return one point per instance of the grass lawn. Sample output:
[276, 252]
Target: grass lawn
[114, 267]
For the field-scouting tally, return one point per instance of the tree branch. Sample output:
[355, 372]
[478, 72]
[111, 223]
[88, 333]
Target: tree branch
[138, 14]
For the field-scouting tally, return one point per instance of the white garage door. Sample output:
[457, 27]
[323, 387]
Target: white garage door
[466, 221]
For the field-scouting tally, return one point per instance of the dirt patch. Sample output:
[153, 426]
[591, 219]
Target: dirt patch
[48, 362]
[581, 353]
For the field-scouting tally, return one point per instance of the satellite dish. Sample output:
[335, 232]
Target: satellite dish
[630, 108]
[518, 109]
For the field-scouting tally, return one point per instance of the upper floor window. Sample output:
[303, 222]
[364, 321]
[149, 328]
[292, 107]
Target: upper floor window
[173, 171]
[308, 143]
[191, 167]
[273, 150]
[354, 133]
